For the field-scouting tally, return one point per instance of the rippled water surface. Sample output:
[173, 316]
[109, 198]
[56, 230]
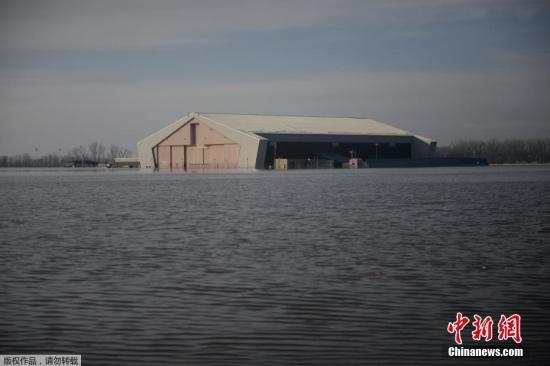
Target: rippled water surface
[299, 267]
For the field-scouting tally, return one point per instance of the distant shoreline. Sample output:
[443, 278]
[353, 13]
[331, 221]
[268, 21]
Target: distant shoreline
[519, 164]
[135, 169]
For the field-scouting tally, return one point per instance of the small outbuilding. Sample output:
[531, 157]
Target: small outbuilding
[83, 163]
[125, 163]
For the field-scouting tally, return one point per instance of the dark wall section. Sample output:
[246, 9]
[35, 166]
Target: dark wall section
[324, 150]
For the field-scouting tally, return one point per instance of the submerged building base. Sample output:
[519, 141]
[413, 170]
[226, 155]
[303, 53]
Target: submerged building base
[354, 163]
[423, 163]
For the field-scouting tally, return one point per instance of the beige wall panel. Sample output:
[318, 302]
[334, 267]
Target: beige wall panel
[242, 146]
[194, 155]
[208, 136]
[178, 138]
[205, 136]
[213, 155]
[249, 143]
[231, 154]
[164, 156]
[222, 156]
[177, 156]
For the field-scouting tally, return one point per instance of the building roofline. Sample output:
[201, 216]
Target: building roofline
[245, 133]
[162, 130]
[210, 117]
[280, 115]
[213, 114]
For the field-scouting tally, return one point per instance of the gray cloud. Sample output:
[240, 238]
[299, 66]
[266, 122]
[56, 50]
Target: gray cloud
[445, 106]
[52, 108]
[70, 24]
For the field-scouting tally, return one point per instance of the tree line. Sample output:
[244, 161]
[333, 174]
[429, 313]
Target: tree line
[512, 151]
[94, 152]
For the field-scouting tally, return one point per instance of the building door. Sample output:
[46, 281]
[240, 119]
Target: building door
[193, 133]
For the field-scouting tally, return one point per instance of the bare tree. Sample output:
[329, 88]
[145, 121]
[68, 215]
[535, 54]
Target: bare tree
[125, 153]
[95, 151]
[93, 148]
[101, 152]
[118, 152]
[500, 152]
[27, 160]
[113, 153]
[79, 153]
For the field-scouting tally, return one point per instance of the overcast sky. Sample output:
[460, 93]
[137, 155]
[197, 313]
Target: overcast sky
[114, 71]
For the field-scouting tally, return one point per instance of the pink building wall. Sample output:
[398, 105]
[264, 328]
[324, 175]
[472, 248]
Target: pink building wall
[212, 149]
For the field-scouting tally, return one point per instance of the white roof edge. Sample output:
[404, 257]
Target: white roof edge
[425, 139]
[251, 125]
[210, 119]
[248, 134]
[276, 115]
[166, 128]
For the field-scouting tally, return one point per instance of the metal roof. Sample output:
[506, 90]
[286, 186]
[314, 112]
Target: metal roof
[254, 123]
[126, 160]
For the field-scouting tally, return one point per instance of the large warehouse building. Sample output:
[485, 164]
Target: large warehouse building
[211, 140]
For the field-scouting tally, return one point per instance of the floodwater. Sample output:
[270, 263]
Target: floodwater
[311, 267]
